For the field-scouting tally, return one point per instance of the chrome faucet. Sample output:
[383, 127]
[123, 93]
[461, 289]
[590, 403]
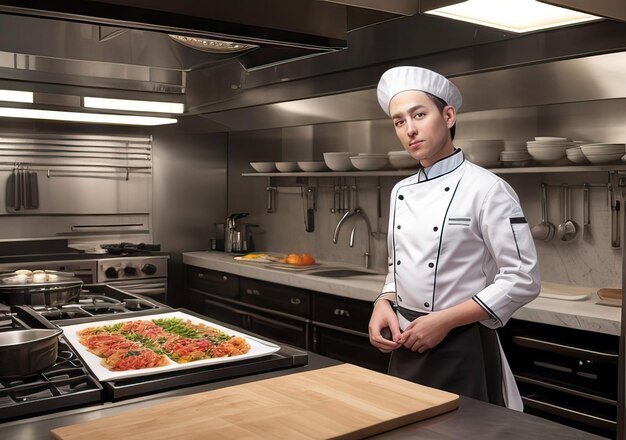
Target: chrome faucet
[360, 214]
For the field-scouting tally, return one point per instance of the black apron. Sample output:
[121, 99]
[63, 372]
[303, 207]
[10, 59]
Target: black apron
[467, 362]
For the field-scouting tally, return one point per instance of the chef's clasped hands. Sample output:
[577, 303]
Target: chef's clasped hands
[420, 335]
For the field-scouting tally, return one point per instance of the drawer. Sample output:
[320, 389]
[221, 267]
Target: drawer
[342, 312]
[216, 283]
[275, 297]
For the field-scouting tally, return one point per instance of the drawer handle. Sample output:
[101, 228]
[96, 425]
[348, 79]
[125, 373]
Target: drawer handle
[252, 292]
[200, 275]
[296, 301]
[341, 312]
[224, 277]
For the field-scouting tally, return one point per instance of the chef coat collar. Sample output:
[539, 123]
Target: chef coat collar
[442, 166]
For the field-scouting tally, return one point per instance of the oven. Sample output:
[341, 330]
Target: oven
[137, 273]
[140, 275]
[565, 375]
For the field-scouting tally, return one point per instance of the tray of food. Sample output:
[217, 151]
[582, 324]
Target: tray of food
[153, 344]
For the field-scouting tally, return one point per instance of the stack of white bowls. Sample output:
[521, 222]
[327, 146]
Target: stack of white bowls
[575, 154]
[485, 153]
[603, 153]
[515, 154]
[369, 161]
[401, 160]
[548, 149]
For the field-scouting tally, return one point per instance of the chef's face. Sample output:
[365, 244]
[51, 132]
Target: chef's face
[422, 128]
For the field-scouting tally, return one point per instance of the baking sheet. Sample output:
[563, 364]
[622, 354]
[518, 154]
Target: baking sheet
[258, 348]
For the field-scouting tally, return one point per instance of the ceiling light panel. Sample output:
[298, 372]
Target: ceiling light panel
[134, 105]
[513, 15]
[16, 96]
[96, 118]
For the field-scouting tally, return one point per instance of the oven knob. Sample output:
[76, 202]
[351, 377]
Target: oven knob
[111, 272]
[149, 269]
[130, 270]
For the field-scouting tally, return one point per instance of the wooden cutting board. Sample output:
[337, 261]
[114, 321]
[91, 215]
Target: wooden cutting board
[343, 401]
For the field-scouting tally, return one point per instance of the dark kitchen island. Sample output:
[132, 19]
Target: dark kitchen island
[472, 420]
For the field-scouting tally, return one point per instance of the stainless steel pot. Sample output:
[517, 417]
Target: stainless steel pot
[25, 352]
[18, 290]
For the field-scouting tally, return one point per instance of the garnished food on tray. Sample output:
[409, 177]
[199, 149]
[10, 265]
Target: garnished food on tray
[291, 259]
[139, 344]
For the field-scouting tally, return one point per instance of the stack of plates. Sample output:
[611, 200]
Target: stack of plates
[548, 149]
[515, 154]
[603, 153]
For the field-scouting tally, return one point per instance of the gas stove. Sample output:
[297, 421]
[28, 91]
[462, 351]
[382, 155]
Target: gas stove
[70, 384]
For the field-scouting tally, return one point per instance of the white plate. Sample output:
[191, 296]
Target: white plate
[258, 348]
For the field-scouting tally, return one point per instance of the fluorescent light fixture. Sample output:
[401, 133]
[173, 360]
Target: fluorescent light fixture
[96, 118]
[16, 96]
[512, 15]
[134, 105]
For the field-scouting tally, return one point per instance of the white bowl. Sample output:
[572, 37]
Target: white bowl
[287, 167]
[547, 155]
[552, 139]
[367, 163]
[263, 167]
[401, 160]
[313, 166]
[603, 153]
[576, 155]
[339, 161]
[484, 153]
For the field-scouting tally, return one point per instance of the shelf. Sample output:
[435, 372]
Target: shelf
[401, 173]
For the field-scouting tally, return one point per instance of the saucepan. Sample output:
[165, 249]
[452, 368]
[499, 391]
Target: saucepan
[25, 352]
[39, 288]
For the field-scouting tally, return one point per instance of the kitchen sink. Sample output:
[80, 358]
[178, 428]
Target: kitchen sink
[340, 273]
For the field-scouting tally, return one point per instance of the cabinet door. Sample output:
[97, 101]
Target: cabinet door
[279, 328]
[214, 282]
[276, 297]
[342, 312]
[226, 313]
[348, 347]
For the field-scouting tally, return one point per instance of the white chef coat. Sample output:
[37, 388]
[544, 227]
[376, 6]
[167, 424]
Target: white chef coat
[457, 231]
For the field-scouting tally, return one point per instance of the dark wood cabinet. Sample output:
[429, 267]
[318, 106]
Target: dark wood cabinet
[327, 324]
[340, 331]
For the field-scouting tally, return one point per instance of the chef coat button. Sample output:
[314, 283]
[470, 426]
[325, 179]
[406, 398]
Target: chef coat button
[399, 227]
[401, 197]
[426, 305]
[431, 264]
[398, 263]
[435, 229]
[447, 188]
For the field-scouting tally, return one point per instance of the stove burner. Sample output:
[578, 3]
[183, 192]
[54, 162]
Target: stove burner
[92, 304]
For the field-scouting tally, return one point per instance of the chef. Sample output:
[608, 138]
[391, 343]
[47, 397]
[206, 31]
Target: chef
[461, 256]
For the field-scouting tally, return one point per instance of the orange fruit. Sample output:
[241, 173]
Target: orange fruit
[293, 259]
[307, 259]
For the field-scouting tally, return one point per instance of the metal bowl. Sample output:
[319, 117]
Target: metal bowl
[17, 290]
[25, 352]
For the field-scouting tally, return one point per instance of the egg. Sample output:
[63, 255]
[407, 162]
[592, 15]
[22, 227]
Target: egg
[40, 277]
[17, 279]
[24, 272]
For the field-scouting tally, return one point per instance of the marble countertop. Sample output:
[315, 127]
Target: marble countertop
[583, 314]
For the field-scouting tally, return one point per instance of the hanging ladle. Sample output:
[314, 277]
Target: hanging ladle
[543, 231]
[568, 229]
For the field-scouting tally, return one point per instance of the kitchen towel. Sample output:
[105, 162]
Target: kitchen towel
[31, 190]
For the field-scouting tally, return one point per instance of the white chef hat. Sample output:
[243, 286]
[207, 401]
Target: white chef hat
[403, 78]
